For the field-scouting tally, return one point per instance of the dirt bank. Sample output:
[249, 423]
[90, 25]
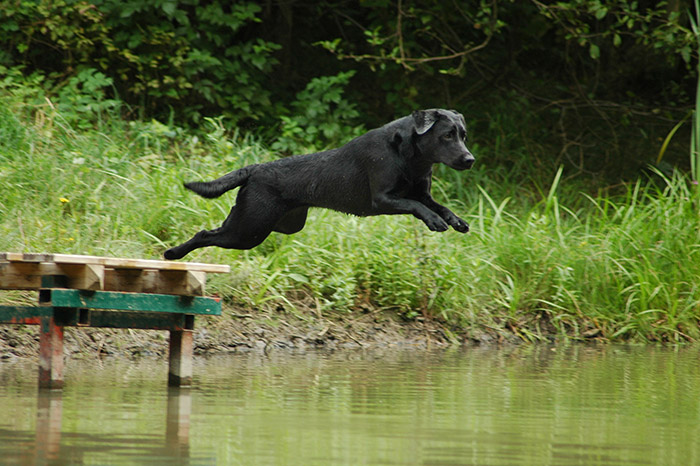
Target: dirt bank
[243, 330]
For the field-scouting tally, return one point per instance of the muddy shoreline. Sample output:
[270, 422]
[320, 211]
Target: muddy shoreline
[243, 330]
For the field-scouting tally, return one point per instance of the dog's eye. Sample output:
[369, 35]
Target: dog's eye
[448, 136]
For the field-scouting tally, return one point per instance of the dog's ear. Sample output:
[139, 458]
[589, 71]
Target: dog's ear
[419, 123]
[460, 116]
[424, 120]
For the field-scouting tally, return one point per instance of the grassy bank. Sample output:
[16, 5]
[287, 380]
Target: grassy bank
[549, 260]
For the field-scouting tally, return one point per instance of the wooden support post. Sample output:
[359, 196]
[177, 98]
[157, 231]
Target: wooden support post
[180, 367]
[50, 354]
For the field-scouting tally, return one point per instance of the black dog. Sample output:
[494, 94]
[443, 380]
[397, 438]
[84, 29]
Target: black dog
[385, 171]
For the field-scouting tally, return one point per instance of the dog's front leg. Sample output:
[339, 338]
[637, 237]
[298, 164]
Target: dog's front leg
[447, 215]
[421, 192]
[385, 184]
[386, 204]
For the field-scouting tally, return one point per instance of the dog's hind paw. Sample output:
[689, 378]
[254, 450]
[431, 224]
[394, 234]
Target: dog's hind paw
[171, 254]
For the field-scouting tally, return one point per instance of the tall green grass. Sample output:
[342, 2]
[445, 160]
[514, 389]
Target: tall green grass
[553, 262]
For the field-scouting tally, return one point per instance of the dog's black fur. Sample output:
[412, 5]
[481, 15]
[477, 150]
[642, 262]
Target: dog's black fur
[385, 171]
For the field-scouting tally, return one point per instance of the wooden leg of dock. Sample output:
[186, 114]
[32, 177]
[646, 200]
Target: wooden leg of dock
[180, 371]
[50, 354]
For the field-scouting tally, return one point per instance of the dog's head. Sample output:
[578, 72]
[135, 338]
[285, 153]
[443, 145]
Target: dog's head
[439, 136]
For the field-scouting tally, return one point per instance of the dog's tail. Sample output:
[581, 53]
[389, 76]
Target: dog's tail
[215, 188]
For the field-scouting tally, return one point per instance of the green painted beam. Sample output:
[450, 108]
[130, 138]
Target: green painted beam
[31, 315]
[145, 302]
[23, 314]
[139, 320]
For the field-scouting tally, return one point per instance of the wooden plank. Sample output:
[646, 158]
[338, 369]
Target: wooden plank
[140, 263]
[131, 280]
[182, 282]
[28, 275]
[25, 271]
[177, 282]
[130, 301]
[84, 276]
[20, 275]
[24, 257]
[113, 262]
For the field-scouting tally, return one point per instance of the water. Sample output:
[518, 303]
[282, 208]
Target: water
[484, 406]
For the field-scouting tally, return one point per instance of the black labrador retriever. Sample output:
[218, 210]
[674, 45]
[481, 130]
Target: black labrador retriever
[385, 171]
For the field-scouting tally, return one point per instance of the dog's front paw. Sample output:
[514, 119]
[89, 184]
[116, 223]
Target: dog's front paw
[456, 222]
[460, 225]
[436, 223]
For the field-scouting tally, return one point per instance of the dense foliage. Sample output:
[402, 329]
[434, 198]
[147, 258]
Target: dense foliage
[594, 85]
[579, 113]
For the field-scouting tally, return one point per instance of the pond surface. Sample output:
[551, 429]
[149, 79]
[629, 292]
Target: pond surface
[530, 405]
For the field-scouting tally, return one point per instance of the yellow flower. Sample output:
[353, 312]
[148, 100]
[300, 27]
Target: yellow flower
[64, 200]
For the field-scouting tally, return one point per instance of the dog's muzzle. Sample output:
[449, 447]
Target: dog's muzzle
[464, 163]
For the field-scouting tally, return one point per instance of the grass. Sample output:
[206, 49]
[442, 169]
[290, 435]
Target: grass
[551, 261]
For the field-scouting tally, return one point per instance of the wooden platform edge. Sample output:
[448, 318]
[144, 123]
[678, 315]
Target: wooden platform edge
[114, 262]
[26, 271]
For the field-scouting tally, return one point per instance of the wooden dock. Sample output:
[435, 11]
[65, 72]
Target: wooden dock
[91, 291]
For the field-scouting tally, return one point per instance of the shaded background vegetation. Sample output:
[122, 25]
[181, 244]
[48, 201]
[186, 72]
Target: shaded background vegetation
[593, 85]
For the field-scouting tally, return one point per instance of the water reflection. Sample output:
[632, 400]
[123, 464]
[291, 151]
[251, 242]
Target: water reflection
[486, 406]
[177, 427]
[53, 445]
[48, 424]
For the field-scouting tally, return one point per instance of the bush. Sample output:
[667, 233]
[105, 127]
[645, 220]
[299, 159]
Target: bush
[320, 118]
[163, 56]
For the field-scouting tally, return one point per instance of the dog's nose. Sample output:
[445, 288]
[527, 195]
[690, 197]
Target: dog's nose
[468, 162]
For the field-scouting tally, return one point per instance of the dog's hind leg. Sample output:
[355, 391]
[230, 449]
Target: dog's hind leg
[202, 239]
[292, 222]
[231, 235]
[250, 221]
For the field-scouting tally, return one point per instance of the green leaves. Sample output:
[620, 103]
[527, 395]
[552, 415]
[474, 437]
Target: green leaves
[162, 55]
[592, 23]
[594, 51]
[321, 116]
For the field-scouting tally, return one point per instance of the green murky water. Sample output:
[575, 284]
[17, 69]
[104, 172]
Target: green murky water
[484, 406]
